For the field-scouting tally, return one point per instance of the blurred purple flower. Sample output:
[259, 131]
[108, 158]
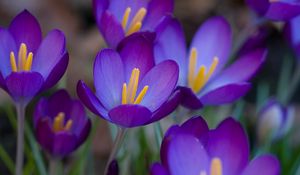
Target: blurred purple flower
[292, 34]
[193, 149]
[274, 121]
[29, 64]
[61, 124]
[278, 10]
[119, 18]
[130, 89]
[203, 80]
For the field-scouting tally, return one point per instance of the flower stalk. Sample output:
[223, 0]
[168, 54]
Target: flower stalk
[20, 138]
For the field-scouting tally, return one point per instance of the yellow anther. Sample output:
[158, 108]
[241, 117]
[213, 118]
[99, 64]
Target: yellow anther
[126, 17]
[136, 27]
[13, 62]
[136, 22]
[68, 125]
[129, 92]
[28, 62]
[196, 83]
[216, 166]
[192, 67]
[142, 94]
[124, 94]
[22, 56]
[58, 123]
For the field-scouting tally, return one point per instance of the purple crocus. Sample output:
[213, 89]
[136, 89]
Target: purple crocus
[194, 149]
[274, 121]
[130, 89]
[119, 18]
[29, 64]
[61, 124]
[292, 34]
[278, 10]
[203, 80]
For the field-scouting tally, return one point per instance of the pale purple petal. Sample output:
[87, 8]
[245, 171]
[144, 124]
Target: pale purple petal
[161, 80]
[7, 45]
[263, 165]
[130, 115]
[109, 78]
[213, 39]
[170, 44]
[26, 29]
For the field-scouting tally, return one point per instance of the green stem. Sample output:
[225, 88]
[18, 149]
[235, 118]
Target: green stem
[53, 166]
[20, 138]
[118, 141]
[293, 86]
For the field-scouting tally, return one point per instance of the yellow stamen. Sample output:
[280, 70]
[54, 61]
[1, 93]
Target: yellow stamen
[28, 62]
[22, 56]
[126, 17]
[141, 95]
[124, 94]
[131, 85]
[68, 125]
[136, 22]
[135, 85]
[212, 68]
[192, 67]
[13, 62]
[58, 123]
[216, 167]
[200, 79]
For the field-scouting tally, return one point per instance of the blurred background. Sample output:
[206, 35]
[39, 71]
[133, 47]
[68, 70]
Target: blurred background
[75, 19]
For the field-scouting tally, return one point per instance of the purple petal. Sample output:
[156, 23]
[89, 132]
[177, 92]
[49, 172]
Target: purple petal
[50, 53]
[156, 10]
[263, 165]
[240, 71]
[7, 45]
[109, 78]
[225, 94]
[170, 44]
[91, 101]
[189, 99]
[2, 83]
[118, 7]
[186, 155]
[44, 134]
[292, 34]
[137, 52]
[130, 115]
[99, 6]
[39, 111]
[63, 144]
[213, 39]
[57, 72]
[23, 86]
[281, 10]
[166, 108]
[195, 126]
[260, 6]
[84, 132]
[26, 29]
[161, 80]
[111, 29]
[229, 143]
[65, 104]
[158, 169]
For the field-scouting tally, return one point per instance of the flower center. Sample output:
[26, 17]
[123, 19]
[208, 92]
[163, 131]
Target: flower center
[59, 123]
[215, 167]
[24, 61]
[129, 92]
[136, 22]
[197, 81]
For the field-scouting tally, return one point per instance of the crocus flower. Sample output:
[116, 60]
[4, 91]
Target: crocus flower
[278, 10]
[61, 124]
[29, 64]
[130, 89]
[292, 34]
[203, 80]
[193, 149]
[274, 121]
[119, 18]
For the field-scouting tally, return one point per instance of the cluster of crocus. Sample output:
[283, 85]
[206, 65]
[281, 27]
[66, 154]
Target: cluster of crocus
[274, 121]
[203, 80]
[194, 149]
[61, 124]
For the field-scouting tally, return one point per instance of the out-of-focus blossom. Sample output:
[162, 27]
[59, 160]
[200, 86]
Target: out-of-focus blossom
[292, 34]
[61, 124]
[119, 18]
[113, 168]
[278, 10]
[203, 80]
[193, 149]
[29, 64]
[274, 121]
[130, 89]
